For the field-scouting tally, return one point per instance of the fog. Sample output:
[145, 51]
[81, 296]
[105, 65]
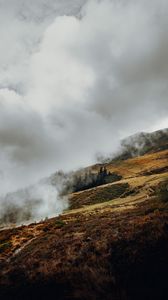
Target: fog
[76, 77]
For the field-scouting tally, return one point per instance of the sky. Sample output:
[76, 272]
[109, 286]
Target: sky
[76, 76]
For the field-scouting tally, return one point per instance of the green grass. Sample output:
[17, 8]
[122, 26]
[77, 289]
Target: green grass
[100, 195]
[5, 246]
[60, 223]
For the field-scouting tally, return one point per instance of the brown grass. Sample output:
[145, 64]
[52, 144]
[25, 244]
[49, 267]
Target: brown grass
[115, 247]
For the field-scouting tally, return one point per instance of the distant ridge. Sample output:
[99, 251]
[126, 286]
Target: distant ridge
[143, 143]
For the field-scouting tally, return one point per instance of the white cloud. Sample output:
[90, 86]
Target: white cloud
[59, 78]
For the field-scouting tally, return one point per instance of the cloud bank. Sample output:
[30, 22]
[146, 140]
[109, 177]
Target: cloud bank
[75, 77]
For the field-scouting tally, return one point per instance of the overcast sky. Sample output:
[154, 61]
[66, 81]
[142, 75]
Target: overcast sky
[75, 77]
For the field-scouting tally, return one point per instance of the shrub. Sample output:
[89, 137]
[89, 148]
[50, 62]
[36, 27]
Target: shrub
[4, 246]
[162, 191]
[60, 223]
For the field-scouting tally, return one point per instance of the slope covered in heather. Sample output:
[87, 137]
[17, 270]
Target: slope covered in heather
[112, 243]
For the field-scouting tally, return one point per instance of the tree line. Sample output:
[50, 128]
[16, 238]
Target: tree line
[90, 179]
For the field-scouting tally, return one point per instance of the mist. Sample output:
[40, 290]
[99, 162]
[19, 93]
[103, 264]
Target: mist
[76, 77]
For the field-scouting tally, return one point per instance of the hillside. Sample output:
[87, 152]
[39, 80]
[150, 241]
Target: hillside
[140, 144]
[112, 242]
[22, 206]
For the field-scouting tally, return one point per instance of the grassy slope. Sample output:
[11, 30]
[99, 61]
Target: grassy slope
[106, 247]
